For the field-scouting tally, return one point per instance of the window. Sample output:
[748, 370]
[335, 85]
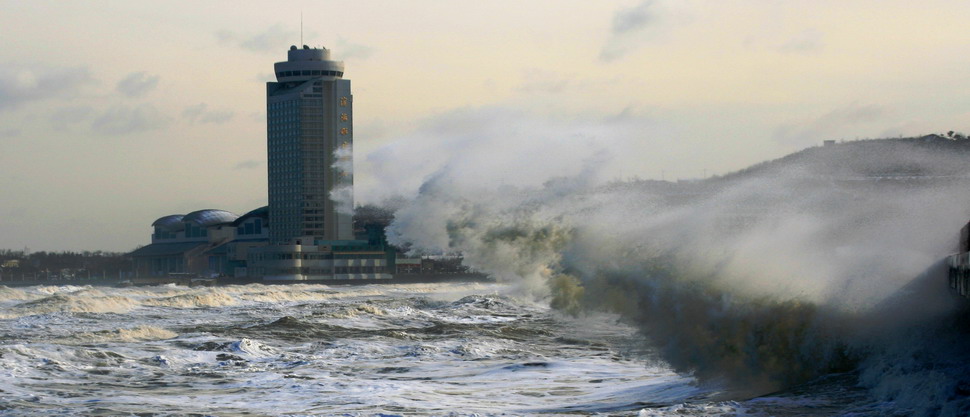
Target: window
[344, 131]
[344, 117]
[343, 101]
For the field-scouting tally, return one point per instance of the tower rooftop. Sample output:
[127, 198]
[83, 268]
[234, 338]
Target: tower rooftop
[306, 64]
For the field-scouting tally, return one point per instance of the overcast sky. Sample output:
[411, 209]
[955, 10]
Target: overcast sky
[115, 113]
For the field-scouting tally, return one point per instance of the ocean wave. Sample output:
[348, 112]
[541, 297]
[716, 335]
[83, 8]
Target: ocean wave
[356, 310]
[74, 303]
[249, 347]
[14, 294]
[206, 298]
[59, 289]
[133, 334]
[757, 283]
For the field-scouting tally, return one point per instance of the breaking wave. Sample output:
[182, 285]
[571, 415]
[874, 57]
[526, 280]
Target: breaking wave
[134, 334]
[208, 298]
[74, 303]
[756, 283]
[14, 294]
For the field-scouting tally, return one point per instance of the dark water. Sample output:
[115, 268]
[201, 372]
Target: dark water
[441, 349]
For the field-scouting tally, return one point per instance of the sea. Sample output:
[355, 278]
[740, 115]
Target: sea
[441, 349]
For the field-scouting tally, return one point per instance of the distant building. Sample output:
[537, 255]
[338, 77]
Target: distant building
[309, 129]
[204, 242]
[306, 231]
[309, 145]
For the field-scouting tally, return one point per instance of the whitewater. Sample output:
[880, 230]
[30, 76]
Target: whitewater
[300, 349]
[418, 349]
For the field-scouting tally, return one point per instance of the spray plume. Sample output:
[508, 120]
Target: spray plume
[758, 280]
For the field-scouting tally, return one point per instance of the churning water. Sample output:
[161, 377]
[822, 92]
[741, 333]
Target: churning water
[420, 349]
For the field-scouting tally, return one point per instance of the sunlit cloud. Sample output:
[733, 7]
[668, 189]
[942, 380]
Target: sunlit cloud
[67, 117]
[120, 120]
[541, 81]
[200, 113]
[21, 85]
[808, 40]
[631, 27]
[137, 84]
[350, 50]
[273, 39]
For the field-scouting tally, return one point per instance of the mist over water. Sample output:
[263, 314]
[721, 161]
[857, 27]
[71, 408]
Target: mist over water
[824, 262]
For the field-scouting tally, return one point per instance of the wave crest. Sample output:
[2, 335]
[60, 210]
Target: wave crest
[75, 303]
[210, 298]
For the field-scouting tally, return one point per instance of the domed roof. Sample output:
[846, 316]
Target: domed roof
[171, 223]
[262, 212]
[210, 217]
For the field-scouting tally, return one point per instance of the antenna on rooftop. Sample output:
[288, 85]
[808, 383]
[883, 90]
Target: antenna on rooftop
[301, 27]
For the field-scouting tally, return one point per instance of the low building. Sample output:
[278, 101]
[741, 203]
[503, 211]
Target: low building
[207, 242]
[218, 243]
[323, 260]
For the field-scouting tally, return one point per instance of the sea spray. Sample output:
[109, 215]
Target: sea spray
[761, 280]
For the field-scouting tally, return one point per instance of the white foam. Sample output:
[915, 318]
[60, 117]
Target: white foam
[134, 334]
[73, 303]
[207, 298]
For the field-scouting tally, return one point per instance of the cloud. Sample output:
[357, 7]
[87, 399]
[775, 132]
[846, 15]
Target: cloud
[250, 164]
[349, 50]
[66, 117]
[631, 26]
[9, 133]
[273, 39]
[21, 85]
[137, 84]
[200, 113]
[120, 120]
[834, 124]
[536, 80]
[633, 18]
[808, 40]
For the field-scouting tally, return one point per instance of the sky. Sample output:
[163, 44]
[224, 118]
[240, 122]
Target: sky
[116, 113]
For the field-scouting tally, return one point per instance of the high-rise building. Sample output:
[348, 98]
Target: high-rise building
[306, 231]
[309, 113]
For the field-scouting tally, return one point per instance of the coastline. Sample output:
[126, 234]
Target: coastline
[224, 281]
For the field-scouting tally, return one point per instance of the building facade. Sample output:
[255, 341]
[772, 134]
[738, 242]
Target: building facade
[306, 232]
[309, 131]
[207, 242]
